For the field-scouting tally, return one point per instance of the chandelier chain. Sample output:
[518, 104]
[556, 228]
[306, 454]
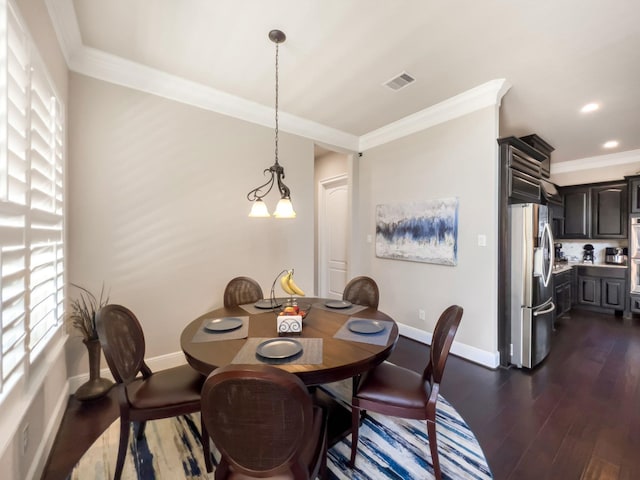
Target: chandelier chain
[276, 146]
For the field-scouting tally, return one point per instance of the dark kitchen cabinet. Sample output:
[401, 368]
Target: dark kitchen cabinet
[602, 287]
[589, 291]
[545, 149]
[634, 194]
[523, 187]
[613, 293]
[596, 211]
[562, 292]
[635, 303]
[609, 216]
[556, 219]
[577, 212]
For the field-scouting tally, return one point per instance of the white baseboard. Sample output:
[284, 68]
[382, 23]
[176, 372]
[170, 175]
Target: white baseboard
[51, 431]
[156, 363]
[473, 354]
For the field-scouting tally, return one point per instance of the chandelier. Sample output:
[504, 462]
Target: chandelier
[284, 209]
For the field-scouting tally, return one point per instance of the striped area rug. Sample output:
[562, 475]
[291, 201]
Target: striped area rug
[389, 448]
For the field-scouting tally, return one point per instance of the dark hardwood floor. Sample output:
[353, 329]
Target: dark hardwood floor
[576, 416]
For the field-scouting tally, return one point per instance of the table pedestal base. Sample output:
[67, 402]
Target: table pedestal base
[339, 422]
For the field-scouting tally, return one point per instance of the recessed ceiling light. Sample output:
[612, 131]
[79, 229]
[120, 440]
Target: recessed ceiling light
[610, 144]
[590, 107]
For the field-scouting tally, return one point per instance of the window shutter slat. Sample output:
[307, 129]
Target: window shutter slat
[31, 202]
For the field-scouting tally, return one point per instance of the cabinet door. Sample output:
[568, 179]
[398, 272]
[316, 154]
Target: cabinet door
[558, 293]
[523, 187]
[635, 303]
[613, 293]
[556, 219]
[589, 290]
[577, 218]
[634, 193]
[609, 211]
[565, 304]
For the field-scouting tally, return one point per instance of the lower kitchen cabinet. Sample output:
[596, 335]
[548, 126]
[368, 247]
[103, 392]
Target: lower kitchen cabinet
[602, 287]
[562, 296]
[635, 303]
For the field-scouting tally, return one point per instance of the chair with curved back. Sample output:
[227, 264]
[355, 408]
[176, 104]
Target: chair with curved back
[362, 291]
[392, 390]
[151, 395]
[242, 290]
[264, 424]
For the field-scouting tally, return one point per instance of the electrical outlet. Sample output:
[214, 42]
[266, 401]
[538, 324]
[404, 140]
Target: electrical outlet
[25, 438]
[421, 315]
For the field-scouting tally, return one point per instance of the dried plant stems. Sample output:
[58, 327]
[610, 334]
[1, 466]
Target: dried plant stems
[82, 316]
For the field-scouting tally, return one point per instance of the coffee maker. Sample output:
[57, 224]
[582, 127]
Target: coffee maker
[558, 255]
[587, 254]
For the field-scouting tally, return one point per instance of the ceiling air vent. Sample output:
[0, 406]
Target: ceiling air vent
[400, 81]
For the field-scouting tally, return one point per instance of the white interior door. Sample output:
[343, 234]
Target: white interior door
[333, 227]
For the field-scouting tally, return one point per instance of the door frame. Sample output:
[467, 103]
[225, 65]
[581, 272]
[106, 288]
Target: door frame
[323, 186]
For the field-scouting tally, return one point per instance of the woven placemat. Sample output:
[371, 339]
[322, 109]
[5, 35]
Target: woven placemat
[343, 311]
[253, 310]
[203, 335]
[311, 353]
[379, 338]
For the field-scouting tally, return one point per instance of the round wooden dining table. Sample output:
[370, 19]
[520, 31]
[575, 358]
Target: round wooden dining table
[341, 359]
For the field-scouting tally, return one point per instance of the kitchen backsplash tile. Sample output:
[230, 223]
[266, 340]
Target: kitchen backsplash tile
[572, 249]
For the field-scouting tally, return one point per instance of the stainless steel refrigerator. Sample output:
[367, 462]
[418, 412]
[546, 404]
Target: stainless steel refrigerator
[531, 286]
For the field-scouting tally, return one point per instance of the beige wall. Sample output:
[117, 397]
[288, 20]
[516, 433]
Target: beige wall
[158, 208]
[458, 158]
[41, 29]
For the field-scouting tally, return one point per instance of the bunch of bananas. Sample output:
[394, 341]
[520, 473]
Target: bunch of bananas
[288, 285]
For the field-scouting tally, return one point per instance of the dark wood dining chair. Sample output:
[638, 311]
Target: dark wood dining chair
[362, 291]
[142, 394]
[392, 390]
[242, 290]
[264, 423]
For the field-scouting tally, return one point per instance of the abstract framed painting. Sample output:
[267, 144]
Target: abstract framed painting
[419, 232]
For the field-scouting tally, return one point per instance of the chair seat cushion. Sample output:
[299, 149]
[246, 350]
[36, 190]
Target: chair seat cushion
[164, 388]
[395, 386]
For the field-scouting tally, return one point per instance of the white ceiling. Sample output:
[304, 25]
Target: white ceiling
[557, 56]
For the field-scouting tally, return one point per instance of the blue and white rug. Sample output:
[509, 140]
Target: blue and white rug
[389, 448]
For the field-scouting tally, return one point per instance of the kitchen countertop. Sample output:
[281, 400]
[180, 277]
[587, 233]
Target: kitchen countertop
[563, 267]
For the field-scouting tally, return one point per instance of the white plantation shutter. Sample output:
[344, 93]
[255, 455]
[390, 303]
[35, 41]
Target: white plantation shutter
[31, 202]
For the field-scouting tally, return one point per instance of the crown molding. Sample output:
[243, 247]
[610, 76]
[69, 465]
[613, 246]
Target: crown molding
[601, 161]
[485, 95]
[111, 68]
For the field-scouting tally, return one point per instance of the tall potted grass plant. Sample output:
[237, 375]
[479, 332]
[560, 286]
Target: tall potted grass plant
[82, 320]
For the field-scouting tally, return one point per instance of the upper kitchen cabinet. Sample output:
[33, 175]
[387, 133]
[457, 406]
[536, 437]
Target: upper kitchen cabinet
[634, 194]
[577, 212]
[543, 147]
[596, 211]
[609, 216]
[524, 166]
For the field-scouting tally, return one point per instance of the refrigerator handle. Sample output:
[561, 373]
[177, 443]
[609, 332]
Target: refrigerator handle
[551, 308]
[547, 238]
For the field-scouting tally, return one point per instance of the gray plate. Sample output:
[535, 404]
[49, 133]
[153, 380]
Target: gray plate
[279, 348]
[338, 304]
[224, 324]
[367, 327]
[266, 304]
